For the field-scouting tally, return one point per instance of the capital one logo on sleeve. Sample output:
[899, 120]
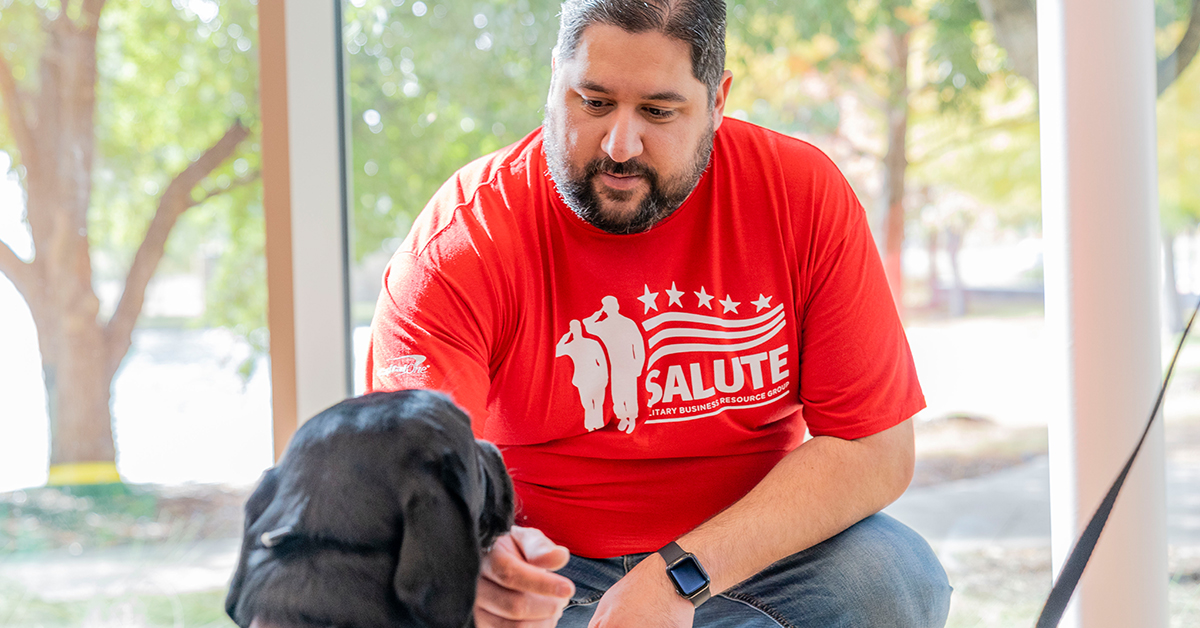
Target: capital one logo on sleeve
[695, 357]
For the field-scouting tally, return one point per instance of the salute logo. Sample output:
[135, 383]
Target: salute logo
[693, 360]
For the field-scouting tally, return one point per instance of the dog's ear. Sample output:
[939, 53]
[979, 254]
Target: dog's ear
[497, 515]
[255, 506]
[439, 553]
[262, 496]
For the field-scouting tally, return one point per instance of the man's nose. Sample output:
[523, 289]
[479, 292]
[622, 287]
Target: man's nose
[624, 138]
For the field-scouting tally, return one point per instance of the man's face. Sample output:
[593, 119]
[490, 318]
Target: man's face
[628, 129]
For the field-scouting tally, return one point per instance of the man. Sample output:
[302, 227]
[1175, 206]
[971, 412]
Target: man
[745, 264]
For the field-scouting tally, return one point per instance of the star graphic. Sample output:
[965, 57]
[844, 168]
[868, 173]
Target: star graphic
[729, 304]
[704, 298]
[762, 303]
[674, 296]
[648, 299]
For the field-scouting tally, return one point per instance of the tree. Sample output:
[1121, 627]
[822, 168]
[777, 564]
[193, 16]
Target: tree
[1179, 169]
[890, 55]
[113, 136]
[917, 64]
[1015, 22]
[432, 87]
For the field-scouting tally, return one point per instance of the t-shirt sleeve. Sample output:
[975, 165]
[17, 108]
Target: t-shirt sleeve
[857, 375]
[426, 334]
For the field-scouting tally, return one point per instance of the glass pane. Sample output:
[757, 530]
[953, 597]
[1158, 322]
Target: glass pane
[133, 370]
[930, 109]
[432, 86]
[933, 82]
[1179, 203]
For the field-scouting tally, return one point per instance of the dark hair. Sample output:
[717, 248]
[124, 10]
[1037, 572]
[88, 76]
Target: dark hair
[698, 23]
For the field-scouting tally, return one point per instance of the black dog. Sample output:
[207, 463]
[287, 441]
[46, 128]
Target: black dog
[376, 516]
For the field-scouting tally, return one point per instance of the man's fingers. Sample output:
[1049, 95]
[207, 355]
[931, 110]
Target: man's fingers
[505, 566]
[514, 605]
[538, 549]
[515, 591]
[484, 619]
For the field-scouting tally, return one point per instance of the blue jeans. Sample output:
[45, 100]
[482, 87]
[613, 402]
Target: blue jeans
[878, 572]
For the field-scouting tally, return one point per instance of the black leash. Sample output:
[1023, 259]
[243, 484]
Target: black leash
[1068, 578]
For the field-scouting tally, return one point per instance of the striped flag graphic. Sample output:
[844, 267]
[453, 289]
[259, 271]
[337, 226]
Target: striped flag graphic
[680, 332]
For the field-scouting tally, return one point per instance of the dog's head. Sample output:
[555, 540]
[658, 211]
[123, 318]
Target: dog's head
[377, 515]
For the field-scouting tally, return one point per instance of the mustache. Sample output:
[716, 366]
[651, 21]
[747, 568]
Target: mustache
[619, 168]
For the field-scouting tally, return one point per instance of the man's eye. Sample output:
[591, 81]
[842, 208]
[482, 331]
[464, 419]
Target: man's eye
[593, 104]
[660, 114]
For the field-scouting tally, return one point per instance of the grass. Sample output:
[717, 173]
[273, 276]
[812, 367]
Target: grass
[195, 610]
[151, 521]
[998, 588]
[97, 517]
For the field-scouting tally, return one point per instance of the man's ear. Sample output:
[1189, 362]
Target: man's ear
[722, 97]
[439, 553]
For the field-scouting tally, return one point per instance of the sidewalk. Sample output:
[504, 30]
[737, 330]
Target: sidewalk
[1011, 509]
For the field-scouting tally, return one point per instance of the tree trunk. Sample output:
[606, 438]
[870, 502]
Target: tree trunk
[78, 388]
[958, 291]
[935, 282]
[75, 361]
[895, 167]
[55, 134]
[1015, 25]
[1172, 310]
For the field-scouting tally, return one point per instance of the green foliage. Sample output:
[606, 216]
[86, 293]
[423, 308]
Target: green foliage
[959, 51]
[998, 165]
[792, 61]
[1168, 12]
[766, 25]
[1179, 153]
[172, 78]
[20, 30]
[431, 87]
[53, 518]
[170, 84]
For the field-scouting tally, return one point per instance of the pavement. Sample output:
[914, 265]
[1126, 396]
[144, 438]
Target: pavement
[1011, 508]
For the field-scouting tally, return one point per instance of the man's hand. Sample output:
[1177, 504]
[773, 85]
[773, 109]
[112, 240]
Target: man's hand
[517, 586]
[644, 598]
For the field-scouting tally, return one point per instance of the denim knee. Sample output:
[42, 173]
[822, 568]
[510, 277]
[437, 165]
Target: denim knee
[892, 576]
[876, 573]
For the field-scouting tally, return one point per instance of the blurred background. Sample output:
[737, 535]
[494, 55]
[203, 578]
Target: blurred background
[145, 334]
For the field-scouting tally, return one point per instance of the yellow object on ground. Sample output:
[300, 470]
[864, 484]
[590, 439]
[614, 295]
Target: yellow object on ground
[77, 473]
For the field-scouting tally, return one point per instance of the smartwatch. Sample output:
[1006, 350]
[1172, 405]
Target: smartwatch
[685, 572]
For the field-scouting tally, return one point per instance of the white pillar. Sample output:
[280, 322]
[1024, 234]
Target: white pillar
[318, 239]
[1102, 261]
[303, 194]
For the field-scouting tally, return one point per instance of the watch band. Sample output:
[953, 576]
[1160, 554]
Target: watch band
[673, 554]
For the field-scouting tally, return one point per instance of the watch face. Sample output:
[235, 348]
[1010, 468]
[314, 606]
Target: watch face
[688, 576]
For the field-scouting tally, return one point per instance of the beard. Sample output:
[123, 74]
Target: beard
[586, 196]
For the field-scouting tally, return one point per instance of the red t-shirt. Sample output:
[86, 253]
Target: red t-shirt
[639, 384]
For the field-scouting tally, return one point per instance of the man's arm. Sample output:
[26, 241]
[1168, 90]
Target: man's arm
[816, 491]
